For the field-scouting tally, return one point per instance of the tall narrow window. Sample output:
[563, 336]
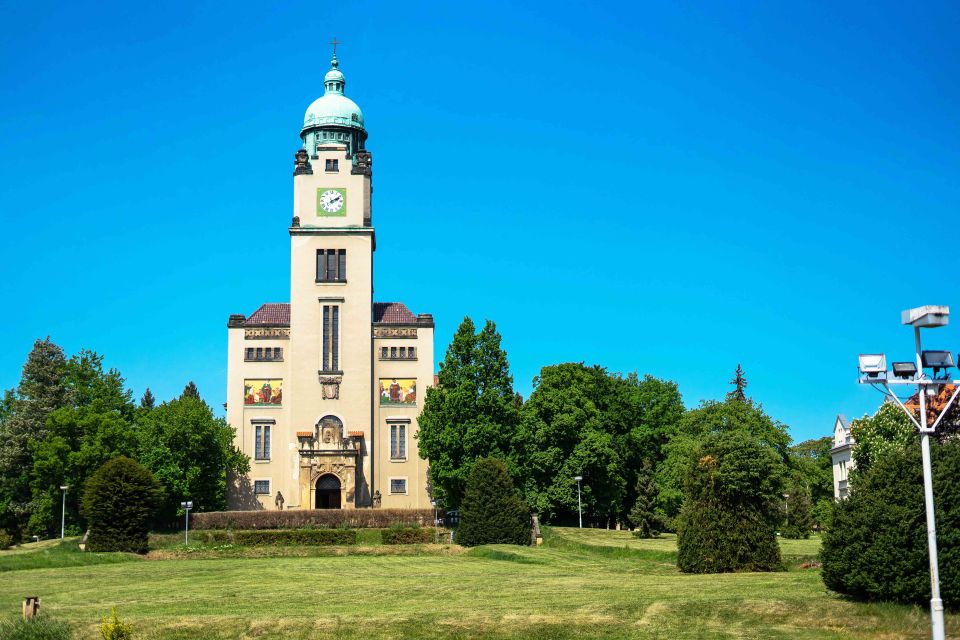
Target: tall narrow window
[398, 441]
[262, 444]
[331, 338]
[332, 165]
[331, 265]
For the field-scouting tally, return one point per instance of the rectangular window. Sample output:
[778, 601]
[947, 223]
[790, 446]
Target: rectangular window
[393, 353]
[403, 353]
[383, 353]
[398, 441]
[331, 338]
[398, 485]
[261, 487]
[331, 265]
[411, 353]
[333, 165]
[262, 444]
[263, 354]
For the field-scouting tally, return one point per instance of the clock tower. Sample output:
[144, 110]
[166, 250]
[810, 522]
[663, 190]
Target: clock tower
[329, 419]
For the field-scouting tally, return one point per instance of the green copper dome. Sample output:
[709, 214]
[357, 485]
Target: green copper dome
[333, 108]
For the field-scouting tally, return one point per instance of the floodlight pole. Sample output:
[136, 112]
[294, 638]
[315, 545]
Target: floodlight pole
[936, 604]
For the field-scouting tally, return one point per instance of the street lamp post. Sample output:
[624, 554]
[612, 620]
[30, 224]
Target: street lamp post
[63, 510]
[579, 505]
[186, 511]
[873, 371]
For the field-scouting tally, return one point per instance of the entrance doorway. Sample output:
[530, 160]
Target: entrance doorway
[328, 492]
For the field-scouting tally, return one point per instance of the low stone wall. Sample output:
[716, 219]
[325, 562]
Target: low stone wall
[304, 518]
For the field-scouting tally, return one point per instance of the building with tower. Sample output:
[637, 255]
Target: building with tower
[324, 391]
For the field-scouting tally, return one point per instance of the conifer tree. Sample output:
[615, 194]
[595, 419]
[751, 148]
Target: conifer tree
[42, 390]
[148, 401]
[492, 512]
[471, 414]
[643, 516]
[739, 383]
[190, 391]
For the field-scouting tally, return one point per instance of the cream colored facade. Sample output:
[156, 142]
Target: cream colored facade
[324, 391]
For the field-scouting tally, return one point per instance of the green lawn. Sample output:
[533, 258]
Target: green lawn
[581, 583]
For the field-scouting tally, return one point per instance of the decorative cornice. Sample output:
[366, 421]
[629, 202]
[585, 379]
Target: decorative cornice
[266, 333]
[236, 321]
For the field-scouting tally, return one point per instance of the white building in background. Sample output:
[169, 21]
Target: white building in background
[842, 454]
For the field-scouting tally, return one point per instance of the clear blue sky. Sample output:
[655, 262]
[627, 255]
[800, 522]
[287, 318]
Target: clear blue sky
[668, 189]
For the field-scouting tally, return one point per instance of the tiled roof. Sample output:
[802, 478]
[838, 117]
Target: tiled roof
[355, 434]
[304, 434]
[935, 404]
[392, 313]
[270, 314]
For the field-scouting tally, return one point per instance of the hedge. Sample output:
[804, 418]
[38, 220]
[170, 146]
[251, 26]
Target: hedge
[409, 535]
[300, 518]
[296, 536]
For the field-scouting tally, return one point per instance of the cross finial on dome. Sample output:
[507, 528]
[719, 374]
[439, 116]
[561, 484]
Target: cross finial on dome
[334, 62]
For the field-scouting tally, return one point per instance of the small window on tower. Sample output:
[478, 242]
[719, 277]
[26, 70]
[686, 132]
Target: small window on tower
[333, 165]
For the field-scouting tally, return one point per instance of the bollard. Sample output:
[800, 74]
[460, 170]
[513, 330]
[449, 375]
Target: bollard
[31, 607]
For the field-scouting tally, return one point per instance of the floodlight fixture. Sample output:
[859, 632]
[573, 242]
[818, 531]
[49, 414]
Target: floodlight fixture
[578, 478]
[927, 316]
[873, 364]
[187, 505]
[936, 360]
[905, 370]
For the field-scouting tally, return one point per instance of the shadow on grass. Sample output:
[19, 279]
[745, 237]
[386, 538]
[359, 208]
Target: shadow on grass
[65, 554]
[491, 553]
[554, 540]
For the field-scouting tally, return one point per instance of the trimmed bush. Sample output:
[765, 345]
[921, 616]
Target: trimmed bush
[313, 537]
[119, 502]
[299, 518]
[39, 628]
[730, 508]
[409, 535]
[876, 545]
[491, 511]
[5, 539]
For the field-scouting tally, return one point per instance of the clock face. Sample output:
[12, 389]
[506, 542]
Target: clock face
[331, 201]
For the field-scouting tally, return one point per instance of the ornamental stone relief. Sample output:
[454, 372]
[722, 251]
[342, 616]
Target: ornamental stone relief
[267, 333]
[330, 387]
[394, 332]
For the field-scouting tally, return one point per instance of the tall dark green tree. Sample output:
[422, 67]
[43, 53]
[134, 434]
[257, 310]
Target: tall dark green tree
[96, 427]
[714, 418]
[471, 414]
[797, 508]
[643, 516]
[492, 511]
[147, 401]
[584, 421]
[42, 390]
[876, 547]
[812, 459]
[190, 451]
[739, 383]
[120, 501]
[190, 391]
[731, 506]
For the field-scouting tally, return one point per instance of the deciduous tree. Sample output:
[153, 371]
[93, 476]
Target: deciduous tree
[471, 414]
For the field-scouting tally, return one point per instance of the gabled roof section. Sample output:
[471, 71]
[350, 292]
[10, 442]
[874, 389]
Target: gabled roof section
[270, 314]
[392, 313]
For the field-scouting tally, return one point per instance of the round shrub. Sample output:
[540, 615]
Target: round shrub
[876, 546]
[119, 502]
[731, 507]
[491, 511]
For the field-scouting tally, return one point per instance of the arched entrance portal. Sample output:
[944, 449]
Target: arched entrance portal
[328, 492]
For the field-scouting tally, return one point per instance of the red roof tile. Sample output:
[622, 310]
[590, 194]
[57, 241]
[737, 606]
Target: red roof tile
[392, 313]
[270, 314]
